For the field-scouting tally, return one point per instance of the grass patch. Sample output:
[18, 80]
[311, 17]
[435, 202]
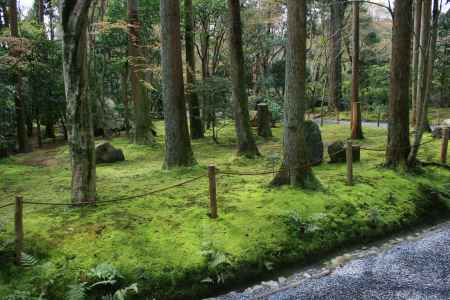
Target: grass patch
[167, 244]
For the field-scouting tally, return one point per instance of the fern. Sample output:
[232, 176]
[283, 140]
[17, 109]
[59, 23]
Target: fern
[77, 292]
[27, 260]
[105, 273]
[122, 293]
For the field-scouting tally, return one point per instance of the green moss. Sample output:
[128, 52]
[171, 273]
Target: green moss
[168, 244]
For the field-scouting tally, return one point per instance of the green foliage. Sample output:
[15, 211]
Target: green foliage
[76, 291]
[28, 260]
[102, 283]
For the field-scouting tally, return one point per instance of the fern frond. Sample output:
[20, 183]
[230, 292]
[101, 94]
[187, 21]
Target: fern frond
[27, 260]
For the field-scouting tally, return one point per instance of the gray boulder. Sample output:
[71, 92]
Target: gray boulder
[437, 132]
[314, 143]
[106, 153]
[337, 152]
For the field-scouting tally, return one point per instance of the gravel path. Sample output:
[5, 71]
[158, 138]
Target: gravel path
[416, 266]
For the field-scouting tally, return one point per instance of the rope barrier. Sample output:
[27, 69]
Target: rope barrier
[117, 199]
[7, 205]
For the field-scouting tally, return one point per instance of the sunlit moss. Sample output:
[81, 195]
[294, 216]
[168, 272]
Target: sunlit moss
[158, 240]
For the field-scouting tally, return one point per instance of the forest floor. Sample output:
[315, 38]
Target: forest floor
[436, 115]
[167, 243]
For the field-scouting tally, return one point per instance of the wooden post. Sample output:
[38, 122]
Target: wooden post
[349, 151]
[212, 191]
[444, 147]
[19, 229]
[378, 117]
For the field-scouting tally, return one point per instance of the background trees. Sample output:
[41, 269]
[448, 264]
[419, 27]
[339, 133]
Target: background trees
[227, 72]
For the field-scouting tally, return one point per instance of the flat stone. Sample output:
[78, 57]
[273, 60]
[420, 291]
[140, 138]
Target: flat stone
[272, 284]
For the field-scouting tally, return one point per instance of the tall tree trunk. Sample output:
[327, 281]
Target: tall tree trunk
[426, 63]
[398, 145]
[356, 104]
[178, 145]
[295, 169]
[143, 134]
[75, 66]
[415, 58]
[196, 124]
[246, 142]
[22, 137]
[337, 10]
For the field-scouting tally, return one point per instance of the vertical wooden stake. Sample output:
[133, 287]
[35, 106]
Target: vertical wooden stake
[19, 229]
[444, 147]
[378, 117]
[349, 151]
[212, 191]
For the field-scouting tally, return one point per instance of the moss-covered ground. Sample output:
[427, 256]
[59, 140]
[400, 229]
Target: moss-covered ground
[167, 243]
[435, 115]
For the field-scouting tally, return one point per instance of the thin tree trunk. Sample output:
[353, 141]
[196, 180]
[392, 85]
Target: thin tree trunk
[356, 104]
[75, 66]
[178, 145]
[5, 14]
[22, 137]
[426, 63]
[142, 134]
[337, 10]
[126, 101]
[398, 145]
[415, 59]
[246, 142]
[40, 12]
[196, 124]
[295, 169]
[51, 17]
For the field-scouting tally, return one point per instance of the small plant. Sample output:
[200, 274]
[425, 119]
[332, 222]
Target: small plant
[27, 260]
[101, 283]
[300, 225]
[218, 263]
[374, 217]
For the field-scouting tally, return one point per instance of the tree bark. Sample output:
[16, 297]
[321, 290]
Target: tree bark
[415, 58]
[398, 145]
[75, 67]
[337, 10]
[178, 145]
[142, 122]
[246, 142]
[22, 137]
[357, 132]
[40, 12]
[426, 63]
[126, 102]
[196, 124]
[295, 169]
